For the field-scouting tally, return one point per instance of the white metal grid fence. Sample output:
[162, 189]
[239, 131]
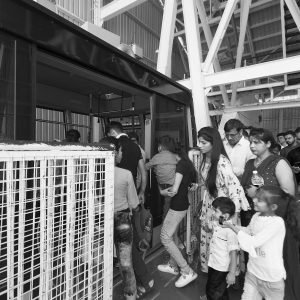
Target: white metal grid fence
[56, 223]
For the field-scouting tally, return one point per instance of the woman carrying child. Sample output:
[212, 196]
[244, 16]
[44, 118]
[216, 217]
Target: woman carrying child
[184, 176]
[263, 239]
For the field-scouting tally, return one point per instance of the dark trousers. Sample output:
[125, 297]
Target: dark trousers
[246, 217]
[140, 269]
[123, 236]
[216, 287]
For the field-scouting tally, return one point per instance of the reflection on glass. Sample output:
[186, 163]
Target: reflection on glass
[6, 87]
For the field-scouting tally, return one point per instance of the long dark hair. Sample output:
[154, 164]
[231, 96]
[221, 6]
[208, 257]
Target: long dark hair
[212, 135]
[288, 208]
[183, 155]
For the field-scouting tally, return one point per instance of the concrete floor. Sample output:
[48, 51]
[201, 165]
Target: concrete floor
[164, 288]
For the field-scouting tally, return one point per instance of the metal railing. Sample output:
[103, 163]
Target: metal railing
[56, 222]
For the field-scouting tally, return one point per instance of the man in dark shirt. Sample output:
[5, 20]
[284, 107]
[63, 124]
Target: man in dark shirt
[132, 159]
[294, 159]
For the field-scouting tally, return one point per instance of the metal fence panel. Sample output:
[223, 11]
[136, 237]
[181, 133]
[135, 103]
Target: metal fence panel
[56, 223]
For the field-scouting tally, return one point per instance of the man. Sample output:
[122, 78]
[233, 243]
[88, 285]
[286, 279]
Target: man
[294, 159]
[297, 132]
[135, 138]
[132, 159]
[237, 146]
[290, 138]
[72, 136]
[281, 140]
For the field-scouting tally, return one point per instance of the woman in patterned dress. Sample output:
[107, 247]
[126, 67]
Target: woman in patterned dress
[218, 180]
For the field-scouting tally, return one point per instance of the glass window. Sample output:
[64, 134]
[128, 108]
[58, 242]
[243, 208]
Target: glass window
[7, 87]
[170, 120]
[49, 125]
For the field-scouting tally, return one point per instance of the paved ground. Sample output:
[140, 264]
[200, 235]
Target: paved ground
[164, 288]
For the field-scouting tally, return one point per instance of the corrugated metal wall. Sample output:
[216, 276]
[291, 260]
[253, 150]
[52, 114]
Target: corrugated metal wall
[140, 25]
[271, 119]
[79, 8]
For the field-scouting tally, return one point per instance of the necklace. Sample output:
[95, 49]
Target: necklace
[258, 163]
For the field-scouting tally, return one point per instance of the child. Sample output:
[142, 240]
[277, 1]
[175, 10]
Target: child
[164, 165]
[222, 262]
[164, 162]
[263, 239]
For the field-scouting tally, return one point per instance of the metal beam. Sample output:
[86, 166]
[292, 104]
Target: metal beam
[245, 7]
[254, 7]
[283, 34]
[195, 63]
[267, 69]
[117, 7]
[295, 11]
[164, 60]
[209, 38]
[221, 30]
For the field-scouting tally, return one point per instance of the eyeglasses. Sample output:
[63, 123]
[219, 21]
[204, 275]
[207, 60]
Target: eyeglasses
[231, 135]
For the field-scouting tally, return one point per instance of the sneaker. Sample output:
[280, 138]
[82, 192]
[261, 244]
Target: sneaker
[185, 279]
[167, 269]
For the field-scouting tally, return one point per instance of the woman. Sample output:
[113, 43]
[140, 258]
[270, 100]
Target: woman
[185, 174]
[217, 179]
[275, 171]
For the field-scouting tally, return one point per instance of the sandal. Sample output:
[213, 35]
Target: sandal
[142, 291]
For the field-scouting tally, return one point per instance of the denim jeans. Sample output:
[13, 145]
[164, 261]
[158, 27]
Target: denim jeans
[123, 243]
[168, 230]
[256, 289]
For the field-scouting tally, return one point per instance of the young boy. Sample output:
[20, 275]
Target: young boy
[222, 260]
[164, 165]
[164, 162]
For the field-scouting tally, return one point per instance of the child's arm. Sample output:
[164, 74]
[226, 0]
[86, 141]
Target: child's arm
[230, 278]
[249, 243]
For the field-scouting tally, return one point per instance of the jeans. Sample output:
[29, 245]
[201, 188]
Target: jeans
[141, 272]
[256, 289]
[168, 230]
[216, 287]
[123, 243]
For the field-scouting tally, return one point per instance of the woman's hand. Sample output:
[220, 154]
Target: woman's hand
[251, 191]
[164, 192]
[193, 187]
[171, 192]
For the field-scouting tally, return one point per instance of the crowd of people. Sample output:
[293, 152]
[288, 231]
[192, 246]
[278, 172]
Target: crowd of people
[249, 212]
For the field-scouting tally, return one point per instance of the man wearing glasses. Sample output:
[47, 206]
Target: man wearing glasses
[236, 146]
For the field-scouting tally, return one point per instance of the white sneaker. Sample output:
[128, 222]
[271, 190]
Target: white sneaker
[167, 269]
[185, 279]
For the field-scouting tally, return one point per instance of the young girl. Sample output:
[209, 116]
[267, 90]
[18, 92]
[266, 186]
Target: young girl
[263, 239]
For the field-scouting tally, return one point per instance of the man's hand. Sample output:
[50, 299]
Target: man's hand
[230, 279]
[251, 191]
